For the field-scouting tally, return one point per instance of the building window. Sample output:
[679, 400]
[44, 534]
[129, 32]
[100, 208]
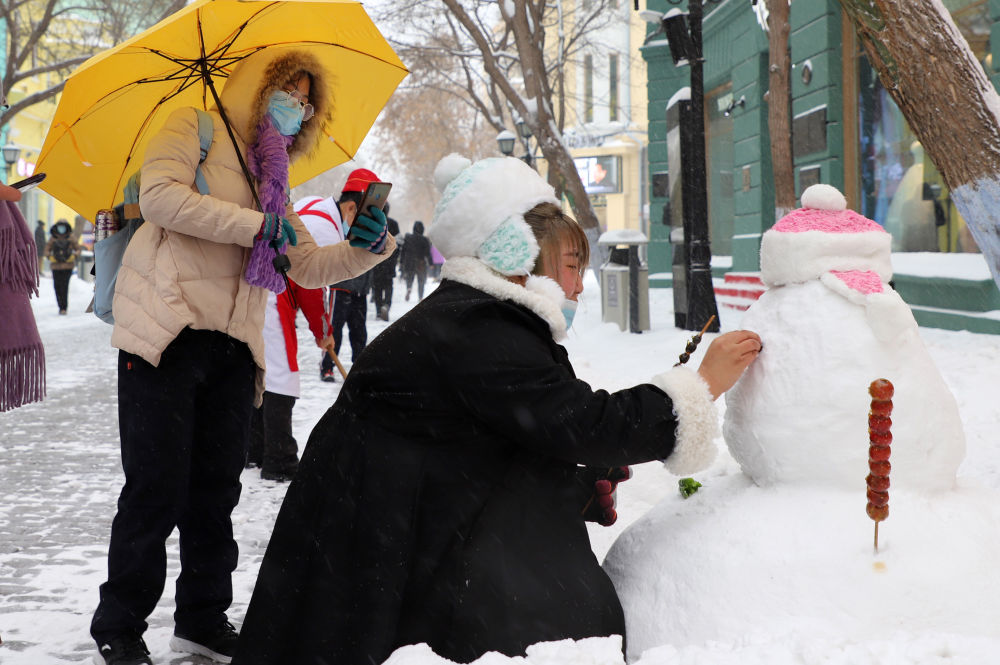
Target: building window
[613, 87]
[898, 185]
[588, 88]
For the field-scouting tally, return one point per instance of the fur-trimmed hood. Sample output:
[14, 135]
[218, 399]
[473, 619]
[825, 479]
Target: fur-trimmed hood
[541, 295]
[258, 76]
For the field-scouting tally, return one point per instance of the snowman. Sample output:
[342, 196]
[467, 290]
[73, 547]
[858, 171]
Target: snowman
[831, 324]
[779, 535]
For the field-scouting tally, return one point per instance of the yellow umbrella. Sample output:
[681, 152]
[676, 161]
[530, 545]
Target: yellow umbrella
[113, 103]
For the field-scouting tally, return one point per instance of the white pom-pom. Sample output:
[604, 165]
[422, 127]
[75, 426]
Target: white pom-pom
[823, 197]
[448, 169]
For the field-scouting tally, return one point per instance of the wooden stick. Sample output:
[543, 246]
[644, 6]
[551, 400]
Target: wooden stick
[333, 356]
[710, 319]
[876, 537]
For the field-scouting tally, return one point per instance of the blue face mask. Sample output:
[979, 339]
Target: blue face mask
[569, 311]
[287, 119]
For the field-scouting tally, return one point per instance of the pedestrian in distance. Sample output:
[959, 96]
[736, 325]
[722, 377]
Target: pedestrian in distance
[384, 274]
[189, 309]
[415, 257]
[40, 245]
[442, 497]
[62, 251]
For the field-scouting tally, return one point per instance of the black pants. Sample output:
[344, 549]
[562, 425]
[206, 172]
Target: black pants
[420, 272]
[272, 445]
[350, 307]
[382, 290]
[60, 280]
[184, 429]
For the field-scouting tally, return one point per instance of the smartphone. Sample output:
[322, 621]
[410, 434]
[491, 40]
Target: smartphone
[375, 195]
[28, 182]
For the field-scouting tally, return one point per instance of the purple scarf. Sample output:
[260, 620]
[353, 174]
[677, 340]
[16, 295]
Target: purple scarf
[22, 357]
[268, 162]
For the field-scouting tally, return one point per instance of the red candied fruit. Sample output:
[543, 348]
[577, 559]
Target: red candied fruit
[879, 468]
[881, 389]
[880, 438]
[878, 498]
[879, 423]
[880, 407]
[878, 513]
[879, 453]
[878, 483]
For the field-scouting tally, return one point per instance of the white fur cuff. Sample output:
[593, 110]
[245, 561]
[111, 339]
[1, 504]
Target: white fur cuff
[697, 420]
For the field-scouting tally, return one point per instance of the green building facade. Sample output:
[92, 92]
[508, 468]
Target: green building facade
[846, 132]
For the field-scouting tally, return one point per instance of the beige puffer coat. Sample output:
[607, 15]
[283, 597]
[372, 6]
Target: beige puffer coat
[184, 267]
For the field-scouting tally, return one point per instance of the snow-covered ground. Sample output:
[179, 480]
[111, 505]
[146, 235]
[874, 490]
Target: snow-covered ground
[60, 475]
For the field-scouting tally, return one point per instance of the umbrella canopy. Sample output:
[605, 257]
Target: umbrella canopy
[113, 103]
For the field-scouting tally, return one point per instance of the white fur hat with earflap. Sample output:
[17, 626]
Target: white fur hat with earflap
[481, 211]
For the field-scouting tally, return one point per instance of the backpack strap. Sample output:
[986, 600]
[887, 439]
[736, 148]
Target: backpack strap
[206, 132]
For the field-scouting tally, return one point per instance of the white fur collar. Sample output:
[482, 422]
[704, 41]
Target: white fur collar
[541, 295]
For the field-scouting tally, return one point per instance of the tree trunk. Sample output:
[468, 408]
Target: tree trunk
[779, 108]
[927, 67]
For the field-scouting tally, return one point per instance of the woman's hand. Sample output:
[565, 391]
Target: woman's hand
[8, 193]
[726, 359]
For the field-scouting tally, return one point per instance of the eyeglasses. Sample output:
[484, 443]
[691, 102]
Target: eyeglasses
[296, 96]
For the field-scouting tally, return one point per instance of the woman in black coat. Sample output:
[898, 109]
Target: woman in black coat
[440, 498]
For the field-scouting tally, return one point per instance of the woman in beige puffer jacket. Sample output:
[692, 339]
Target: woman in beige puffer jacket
[192, 356]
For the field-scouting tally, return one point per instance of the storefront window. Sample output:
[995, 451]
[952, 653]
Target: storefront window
[899, 186]
[719, 154]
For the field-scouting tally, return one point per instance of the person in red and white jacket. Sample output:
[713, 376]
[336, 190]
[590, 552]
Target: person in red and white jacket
[272, 445]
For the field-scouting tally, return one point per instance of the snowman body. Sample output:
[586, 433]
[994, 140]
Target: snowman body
[800, 412]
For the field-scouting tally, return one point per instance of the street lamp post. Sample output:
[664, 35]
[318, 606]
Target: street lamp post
[11, 153]
[525, 132]
[506, 140]
[686, 48]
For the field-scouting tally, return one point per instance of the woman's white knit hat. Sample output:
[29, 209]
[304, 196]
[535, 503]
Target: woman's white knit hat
[481, 211]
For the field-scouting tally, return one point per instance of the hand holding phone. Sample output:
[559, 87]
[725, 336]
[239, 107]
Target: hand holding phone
[376, 194]
[28, 182]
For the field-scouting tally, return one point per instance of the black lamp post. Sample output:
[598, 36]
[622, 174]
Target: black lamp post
[11, 153]
[683, 33]
[506, 140]
[525, 132]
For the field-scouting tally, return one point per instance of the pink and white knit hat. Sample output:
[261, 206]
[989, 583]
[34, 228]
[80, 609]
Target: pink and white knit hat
[822, 237]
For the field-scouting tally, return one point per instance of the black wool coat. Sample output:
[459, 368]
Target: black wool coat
[438, 499]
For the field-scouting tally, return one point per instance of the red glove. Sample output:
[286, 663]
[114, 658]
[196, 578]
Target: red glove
[601, 507]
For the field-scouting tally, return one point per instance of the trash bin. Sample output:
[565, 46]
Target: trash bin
[84, 264]
[625, 281]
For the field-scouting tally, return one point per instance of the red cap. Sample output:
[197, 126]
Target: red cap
[359, 180]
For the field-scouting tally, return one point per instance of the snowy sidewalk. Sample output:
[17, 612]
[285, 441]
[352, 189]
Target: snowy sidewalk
[60, 470]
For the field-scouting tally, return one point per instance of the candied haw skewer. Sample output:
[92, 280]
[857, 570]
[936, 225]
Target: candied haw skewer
[880, 440]
[693, 344]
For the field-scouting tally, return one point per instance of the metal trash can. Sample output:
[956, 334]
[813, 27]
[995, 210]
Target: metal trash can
[625, 281]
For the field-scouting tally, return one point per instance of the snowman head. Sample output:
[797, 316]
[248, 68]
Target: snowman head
[823, 236]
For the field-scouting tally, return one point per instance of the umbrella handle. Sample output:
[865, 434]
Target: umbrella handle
[232, 137]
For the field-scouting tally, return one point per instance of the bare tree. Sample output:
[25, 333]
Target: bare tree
[931, 73]
[495, 59]
[779, 107]
[54, 36]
